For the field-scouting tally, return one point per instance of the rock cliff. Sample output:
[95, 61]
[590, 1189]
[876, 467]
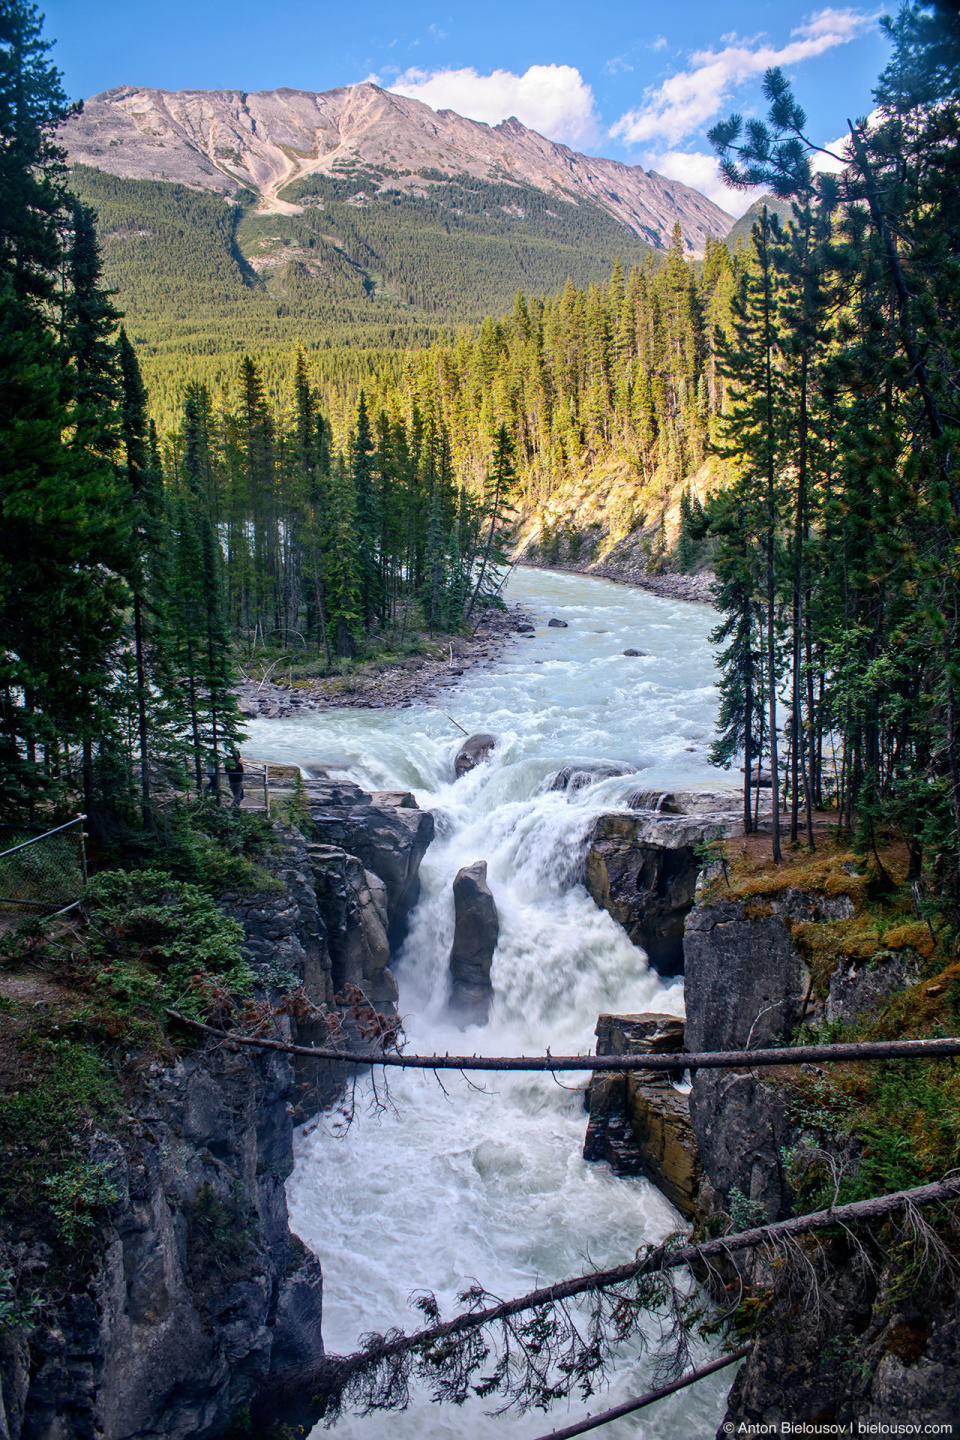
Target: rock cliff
[858, 1340]
[642, 865]
[195, 1310]
[201, 1305]
[639, 1120]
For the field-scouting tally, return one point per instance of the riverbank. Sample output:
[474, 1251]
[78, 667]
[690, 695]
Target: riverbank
[386, 684]
[698, 588]
[383, 684]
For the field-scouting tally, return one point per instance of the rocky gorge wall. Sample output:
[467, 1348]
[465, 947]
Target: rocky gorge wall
[859, 1343]
[200, 1309]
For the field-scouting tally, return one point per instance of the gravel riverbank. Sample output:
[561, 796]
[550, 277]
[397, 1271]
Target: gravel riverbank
[382, 685]
[675, 587]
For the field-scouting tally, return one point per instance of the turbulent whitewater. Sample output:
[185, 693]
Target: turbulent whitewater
[448, 1186]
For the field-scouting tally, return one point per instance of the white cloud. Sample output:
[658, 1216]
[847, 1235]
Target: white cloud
[829, 163]
[833, 161]
[552, 99]
[693, 167]
[685, 102]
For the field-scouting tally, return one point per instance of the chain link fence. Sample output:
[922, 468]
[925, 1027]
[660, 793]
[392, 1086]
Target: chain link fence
[42, 873]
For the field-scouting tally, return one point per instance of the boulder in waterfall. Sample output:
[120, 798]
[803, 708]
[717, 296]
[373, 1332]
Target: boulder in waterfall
[475, 936]
[474, 749]
[523, 627]
[557, 624]
[637, 653]
[575, 776]
[394, 799]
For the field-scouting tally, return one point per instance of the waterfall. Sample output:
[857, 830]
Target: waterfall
[440, 1186]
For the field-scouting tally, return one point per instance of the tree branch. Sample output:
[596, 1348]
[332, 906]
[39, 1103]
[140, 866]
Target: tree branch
[593, 1422]
[340, 1370]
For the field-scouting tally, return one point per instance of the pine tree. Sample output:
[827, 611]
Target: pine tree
[495, 518]
[368, 515]
[62, 537]
[144, 482]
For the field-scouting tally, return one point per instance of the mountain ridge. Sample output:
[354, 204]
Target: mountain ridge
[235, 141]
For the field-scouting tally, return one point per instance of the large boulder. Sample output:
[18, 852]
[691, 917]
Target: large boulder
[388, 840]
[575, 776]
[474, 749]
[476, 932]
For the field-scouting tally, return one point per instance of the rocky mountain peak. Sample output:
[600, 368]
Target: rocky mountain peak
[233, 141]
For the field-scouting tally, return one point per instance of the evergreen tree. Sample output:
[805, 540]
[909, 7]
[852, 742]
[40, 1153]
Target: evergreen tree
[62, 537]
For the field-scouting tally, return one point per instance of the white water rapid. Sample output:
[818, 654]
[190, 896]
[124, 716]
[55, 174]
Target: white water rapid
[459, 1185]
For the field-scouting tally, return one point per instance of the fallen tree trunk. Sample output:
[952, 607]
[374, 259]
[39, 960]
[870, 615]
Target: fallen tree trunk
[677, 1060]
[338, 1370]
[593, 1422]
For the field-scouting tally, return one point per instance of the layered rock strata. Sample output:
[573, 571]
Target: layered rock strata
[388, 840]
[639, 1121]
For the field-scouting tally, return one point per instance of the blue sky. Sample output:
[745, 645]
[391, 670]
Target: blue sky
[640, 82]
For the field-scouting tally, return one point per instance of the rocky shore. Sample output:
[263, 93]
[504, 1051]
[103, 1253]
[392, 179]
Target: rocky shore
[381, 685]
[674, 587]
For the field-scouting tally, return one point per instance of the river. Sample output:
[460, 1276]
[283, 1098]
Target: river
[464, 1183]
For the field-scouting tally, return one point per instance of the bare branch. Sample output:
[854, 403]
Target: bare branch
[606, 1416]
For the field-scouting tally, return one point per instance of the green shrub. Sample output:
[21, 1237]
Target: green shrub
[171, 927]
[76, 1194]
[15, 1309]
[214, 846]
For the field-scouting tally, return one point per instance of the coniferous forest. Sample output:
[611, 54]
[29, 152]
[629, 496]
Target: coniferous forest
[341, 498]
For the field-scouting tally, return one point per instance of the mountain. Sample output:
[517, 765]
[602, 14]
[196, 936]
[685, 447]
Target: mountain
[783, 209]
[352, 219]
[229, 141]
